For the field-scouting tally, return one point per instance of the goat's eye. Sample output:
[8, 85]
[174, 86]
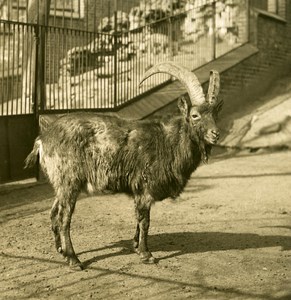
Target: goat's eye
[196, 117]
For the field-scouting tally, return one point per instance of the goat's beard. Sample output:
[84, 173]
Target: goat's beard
[205, 150]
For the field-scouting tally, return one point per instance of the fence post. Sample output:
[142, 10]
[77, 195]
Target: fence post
[115, 41]
[42, 23]
[32, 63]
[171, 42]
[213, 30]
[40, 15]
[248, 20]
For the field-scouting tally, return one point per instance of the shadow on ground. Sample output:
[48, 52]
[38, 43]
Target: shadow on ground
[196, 242]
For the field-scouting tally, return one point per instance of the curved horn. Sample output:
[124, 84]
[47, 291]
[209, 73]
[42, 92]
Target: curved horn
[186, 77]
[213, 88]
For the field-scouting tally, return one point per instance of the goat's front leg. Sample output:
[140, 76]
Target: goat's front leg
[140, 244]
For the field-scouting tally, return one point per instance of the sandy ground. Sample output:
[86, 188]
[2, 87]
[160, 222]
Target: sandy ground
[226, 237]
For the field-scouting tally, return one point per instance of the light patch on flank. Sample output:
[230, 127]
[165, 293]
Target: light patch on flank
[40, 149]
[90, 188]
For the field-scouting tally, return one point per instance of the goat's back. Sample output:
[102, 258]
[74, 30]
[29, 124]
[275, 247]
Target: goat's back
[108, 153]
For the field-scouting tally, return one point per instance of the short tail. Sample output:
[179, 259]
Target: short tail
[31, 159]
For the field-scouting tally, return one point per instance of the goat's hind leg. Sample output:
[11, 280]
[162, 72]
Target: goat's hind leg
[66, 205]
[55, 225]
[136, 238]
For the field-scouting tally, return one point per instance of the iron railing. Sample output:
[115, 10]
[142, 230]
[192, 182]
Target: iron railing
[76, 57]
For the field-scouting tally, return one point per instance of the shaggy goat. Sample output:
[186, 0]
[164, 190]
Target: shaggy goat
[149, 160]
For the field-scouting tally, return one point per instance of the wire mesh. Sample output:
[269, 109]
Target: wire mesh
[15, 85]
[96, 52]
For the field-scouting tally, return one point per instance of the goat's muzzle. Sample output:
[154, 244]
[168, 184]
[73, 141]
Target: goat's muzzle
[212, 136]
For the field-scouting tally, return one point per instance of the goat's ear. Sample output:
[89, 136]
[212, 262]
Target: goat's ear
[183, 106]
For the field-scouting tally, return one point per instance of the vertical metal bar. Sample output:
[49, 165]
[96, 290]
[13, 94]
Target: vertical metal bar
[42, 23]
[49, 70]
[8, 75]
[53, 38]
[94, 66]
[79, 74]
[213, 30]
[83, 69]
[35, 72]
[65, 32]
[87, 73]
[248, 20]
[86, 102]
[24, 62]
[115, 55]
[3, 73]
[59, 79]
[171, 42]
[30, 60]
[69, 81]
[64, 77]
[18, 65]
[34, 85]
[64, 98]
[97, 79]
[13, 71]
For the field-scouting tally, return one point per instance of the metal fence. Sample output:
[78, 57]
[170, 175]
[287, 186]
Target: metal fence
[91, 54]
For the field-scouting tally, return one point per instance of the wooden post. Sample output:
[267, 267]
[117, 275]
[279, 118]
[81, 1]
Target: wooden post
[29, 55]
[214, 30]
[171, 42]
[115, 77]
[42, 23]
[34, 55]
[34, 71]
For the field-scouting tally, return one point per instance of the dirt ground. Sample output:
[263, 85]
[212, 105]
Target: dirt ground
[226, 237]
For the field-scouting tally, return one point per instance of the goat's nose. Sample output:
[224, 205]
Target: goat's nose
[215, 132]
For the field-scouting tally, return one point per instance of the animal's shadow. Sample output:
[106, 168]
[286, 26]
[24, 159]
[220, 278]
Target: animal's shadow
[180, 243]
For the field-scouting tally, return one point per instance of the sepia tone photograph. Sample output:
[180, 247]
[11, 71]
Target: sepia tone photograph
[145, 149]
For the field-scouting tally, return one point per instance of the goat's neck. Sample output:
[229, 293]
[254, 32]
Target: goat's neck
[185, 147]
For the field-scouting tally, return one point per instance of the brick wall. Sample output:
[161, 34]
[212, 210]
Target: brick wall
[96, 10]
[252, 77]
[247, 80]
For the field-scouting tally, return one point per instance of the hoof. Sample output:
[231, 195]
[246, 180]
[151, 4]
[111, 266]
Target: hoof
[136, 250]
[147, 258]
[135, 245]
[149, 261]
[76, 267]
[75, 264]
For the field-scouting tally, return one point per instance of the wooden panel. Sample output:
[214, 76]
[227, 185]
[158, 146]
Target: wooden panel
[16, 135]
[4, 151]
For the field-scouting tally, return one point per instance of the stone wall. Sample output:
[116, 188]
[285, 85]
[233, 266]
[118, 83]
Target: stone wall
[245, 81]
[252, 77]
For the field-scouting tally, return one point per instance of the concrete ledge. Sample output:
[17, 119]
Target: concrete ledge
[168, 95]
[267, 14]
[171, 92]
